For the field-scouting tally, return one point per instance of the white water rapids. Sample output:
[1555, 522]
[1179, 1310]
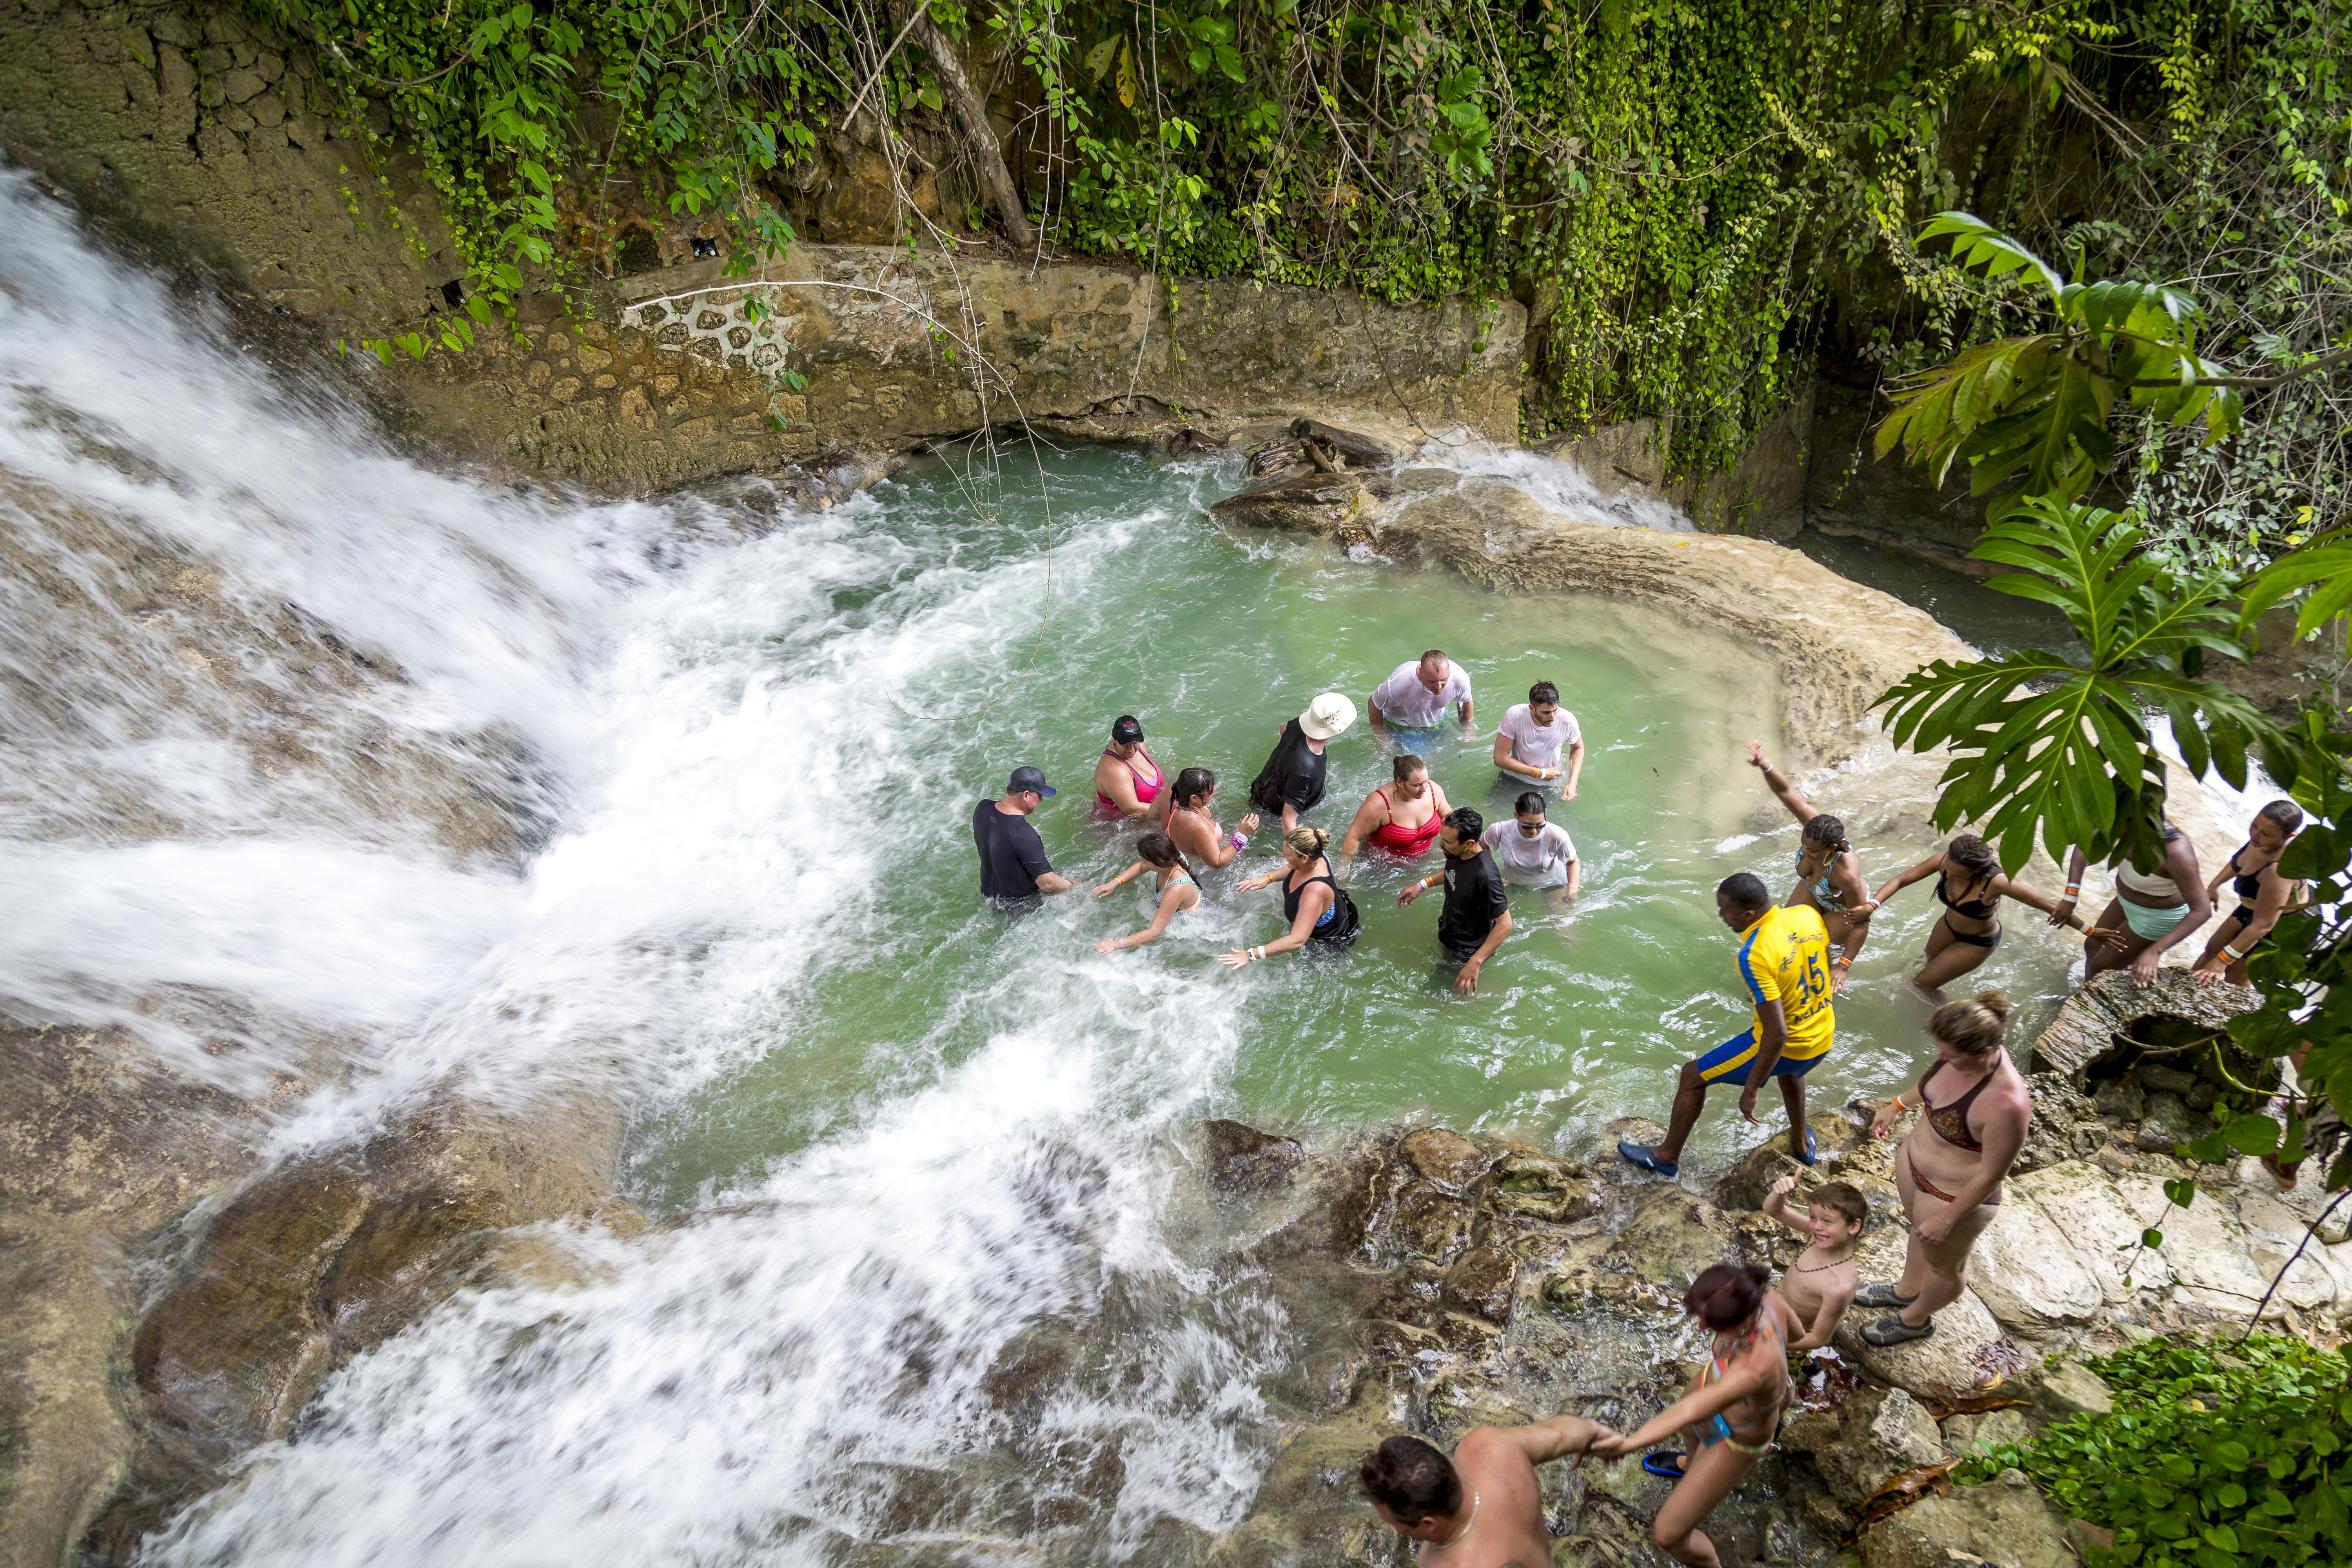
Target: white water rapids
[697, 720]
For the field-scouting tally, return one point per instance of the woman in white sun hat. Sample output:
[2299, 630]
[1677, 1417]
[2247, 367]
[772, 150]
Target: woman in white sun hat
[1291, 783]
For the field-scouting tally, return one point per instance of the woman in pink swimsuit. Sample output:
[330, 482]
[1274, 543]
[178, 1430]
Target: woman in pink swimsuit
[1127, 780]
[1403, 816]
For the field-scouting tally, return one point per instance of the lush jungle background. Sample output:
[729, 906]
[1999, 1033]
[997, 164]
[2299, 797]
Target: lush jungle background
[1701, 204]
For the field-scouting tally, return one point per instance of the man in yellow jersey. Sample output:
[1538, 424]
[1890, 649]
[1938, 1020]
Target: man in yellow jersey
[1784, 961]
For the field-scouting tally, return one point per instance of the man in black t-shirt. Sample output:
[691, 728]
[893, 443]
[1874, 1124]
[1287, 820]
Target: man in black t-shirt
[1014, 872]
[1476, 916]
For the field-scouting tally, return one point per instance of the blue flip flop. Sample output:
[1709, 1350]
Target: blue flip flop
[1639, 1154]
[1813, 1148]
[1656, 1464]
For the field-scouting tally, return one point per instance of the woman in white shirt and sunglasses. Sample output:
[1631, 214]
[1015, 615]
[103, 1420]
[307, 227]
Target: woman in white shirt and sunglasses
[1533, 853]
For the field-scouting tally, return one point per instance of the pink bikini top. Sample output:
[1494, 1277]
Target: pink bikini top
[1146, 789]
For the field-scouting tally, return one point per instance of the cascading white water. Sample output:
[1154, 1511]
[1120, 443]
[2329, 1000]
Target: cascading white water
[699, 724]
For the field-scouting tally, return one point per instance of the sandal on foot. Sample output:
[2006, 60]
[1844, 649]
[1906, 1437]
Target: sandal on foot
[1881, 1293]
[1639, 1155]
[1669, 1464]
[1885, 1331]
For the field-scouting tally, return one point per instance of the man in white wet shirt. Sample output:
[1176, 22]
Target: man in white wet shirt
[1414, 698]
[1533, 853]
[1539, 742]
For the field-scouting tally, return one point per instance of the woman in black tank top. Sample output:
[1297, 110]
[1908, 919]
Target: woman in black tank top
[1970, 885]
[1317, 908]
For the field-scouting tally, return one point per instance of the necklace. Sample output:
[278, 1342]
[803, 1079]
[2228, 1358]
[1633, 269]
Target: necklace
[1833, 1263]
[1465, 1524]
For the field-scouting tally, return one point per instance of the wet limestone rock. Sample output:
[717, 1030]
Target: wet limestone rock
[1359, 449]
[1858, 1446]
[1432, 1222]
[1835, 1134]
[2004, 1521]
[1240, 1158]
[2093, 1020]
[1483, 1284]
[1670, 1237]
[2025, 1272]
[1541, 1186]
[1445, 1157]
[1316, 503]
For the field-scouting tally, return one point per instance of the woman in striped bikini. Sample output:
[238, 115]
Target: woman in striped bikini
[1950, 1169]
[1402, 817]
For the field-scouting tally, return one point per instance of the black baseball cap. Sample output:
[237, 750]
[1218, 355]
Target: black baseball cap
[1125, 731]
[1029, 778]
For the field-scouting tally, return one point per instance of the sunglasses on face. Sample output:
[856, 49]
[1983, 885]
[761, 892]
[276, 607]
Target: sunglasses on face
[1529, 829]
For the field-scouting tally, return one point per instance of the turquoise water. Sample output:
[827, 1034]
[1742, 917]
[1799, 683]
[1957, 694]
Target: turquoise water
[1211, 636]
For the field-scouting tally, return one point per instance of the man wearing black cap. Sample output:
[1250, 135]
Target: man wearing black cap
[1014, 872]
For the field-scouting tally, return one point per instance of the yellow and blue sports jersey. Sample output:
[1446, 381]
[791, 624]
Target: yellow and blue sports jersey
[1784, 957]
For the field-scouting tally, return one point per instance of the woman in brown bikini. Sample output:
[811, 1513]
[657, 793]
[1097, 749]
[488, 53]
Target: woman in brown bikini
[1950, 1169]
[1969, 886]
[1729, 1415]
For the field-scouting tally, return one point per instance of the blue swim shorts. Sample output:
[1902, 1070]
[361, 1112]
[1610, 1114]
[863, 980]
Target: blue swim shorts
[1730, 1059]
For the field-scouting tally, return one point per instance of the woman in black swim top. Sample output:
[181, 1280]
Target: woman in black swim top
[2263, 894]
[1970, 885]
[1311, 901]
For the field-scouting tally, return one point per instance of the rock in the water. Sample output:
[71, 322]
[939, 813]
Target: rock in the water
[2005, 1522]
[1445, 1157]
[1240, 1158]
[1483, 1283]
[1408, 482]
[2082, 1202]
[1752, 1176]
[1672, 1238]
[2059, 1389]
[1857, 1447]
[1361, 448]
[1309, 503]
[2167, 1126]
[2026, 1273]
[1431, 1221]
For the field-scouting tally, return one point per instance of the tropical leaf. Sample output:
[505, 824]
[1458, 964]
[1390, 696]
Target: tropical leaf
[2325, 562]
[1976, 243]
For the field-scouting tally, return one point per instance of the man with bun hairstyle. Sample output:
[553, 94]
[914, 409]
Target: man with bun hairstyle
[1484, 1506]
[1783, 962]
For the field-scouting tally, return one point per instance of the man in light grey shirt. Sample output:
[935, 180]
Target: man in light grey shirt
[1415, 698]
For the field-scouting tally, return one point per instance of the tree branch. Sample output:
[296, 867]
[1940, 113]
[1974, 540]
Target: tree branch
[973, 114]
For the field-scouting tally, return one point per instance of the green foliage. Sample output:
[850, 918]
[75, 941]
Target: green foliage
[2048, 745]
[2029, 415]
[2211, 1458]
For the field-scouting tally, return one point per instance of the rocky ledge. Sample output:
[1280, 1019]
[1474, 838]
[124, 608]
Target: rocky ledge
[1441, 1281]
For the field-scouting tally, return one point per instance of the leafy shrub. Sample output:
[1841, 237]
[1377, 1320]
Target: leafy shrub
[2213, 1456]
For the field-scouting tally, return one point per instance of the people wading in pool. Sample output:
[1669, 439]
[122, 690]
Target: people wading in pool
[1533, 734]
[1729, 1415]
[1127, 780]
[1484, 1506]
[1413, 700]
[1949, 1170]
[1829, 871]
[2151, 911]
[1185, 809]
[2263, 894]
[1403, 816]
[1783, 962]
[1477, 915]
[1533, 853]
[1970, 885]
[1014, 872]
[1318, 910]
[1291, 783]
[1178, 890]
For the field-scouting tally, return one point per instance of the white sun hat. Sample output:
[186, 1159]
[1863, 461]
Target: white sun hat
[1327, 716]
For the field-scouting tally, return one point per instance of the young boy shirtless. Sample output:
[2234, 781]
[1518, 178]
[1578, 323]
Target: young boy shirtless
[1821, 1284]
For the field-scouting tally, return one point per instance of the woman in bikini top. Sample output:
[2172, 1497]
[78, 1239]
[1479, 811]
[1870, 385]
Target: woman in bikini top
[1126, 746]
[1967, 931]
[2264, 895]
[1186, 808]
[1380, 820]
[1946, 1219]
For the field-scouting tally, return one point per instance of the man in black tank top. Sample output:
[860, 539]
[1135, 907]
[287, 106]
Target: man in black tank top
[1478, 915]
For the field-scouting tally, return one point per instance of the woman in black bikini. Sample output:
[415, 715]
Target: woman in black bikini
[2263, 894]
[1950, 1169]
[1311, 901]
[1731, 1413]
[1970, 886]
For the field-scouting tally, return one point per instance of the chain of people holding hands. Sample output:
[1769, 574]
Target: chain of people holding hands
[1792, 958]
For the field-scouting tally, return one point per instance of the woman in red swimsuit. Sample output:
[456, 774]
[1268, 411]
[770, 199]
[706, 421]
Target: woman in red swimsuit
[1949, 1170]
[1403, 816]
[1127, 780]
